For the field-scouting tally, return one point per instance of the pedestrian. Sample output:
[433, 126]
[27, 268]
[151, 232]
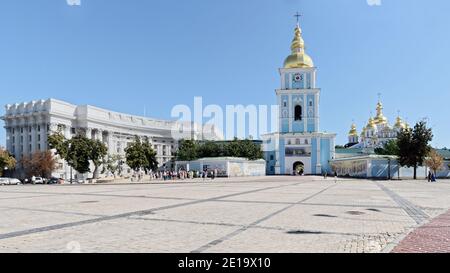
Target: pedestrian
[433, 178]
[429, 176]
[335, 177]
[215, 172]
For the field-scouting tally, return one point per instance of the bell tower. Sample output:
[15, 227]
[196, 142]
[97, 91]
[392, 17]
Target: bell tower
[298, 97]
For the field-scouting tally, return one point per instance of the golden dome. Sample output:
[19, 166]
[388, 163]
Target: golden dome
[371, 124]
[353, 131]
[298, 57]
[399, 124]
[380, 118]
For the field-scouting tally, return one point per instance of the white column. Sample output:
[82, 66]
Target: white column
[110, 142]
[43, 136]
[88, 133]
[26, 142]
[305, 113]
[17, 142]
[8, 138]
[33, 137]
[316, 112]
[291, 113]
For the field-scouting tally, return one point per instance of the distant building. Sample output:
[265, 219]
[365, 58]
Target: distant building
[376, 133]
[225, 166]
[28, 125]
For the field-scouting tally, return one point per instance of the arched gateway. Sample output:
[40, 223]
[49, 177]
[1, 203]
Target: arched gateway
[299, 168]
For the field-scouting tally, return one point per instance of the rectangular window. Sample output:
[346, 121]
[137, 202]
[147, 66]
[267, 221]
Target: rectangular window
[39, 137]
[39, 128]
[72, 131]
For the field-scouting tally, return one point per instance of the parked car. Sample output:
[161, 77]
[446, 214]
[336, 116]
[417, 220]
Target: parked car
[9, 181]
[14, 181]
[55, 180]
[38, 180]
[4, 181]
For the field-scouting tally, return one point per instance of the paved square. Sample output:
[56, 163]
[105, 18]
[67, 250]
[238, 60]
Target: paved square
[264, 214]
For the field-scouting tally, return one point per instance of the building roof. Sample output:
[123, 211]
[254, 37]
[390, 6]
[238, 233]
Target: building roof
[445, 153]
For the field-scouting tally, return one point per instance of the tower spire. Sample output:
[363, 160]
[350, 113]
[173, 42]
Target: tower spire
[298, 57]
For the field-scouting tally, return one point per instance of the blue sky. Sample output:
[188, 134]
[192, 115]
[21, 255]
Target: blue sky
[131, 55]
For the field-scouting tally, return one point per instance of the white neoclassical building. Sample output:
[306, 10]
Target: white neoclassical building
[28, 125]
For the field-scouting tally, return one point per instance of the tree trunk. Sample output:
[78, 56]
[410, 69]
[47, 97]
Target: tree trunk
[95, 175]
[415, 172]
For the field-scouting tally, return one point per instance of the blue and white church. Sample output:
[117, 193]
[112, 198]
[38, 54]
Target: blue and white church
[298, 147]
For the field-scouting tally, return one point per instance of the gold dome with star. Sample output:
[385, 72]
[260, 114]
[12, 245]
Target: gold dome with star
[353, 131]
[298, 57]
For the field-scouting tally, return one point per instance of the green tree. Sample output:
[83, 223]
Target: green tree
[250, 150]
[413, 145]
[140, 155]
[97, 154]
[6, 160]
[210, 149]
[58, 142]
[150, 155]
[389, 148]
[233, 148]
[79, 153]
[188, 150]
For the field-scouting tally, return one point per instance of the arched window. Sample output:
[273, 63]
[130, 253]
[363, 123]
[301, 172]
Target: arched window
[298, 113]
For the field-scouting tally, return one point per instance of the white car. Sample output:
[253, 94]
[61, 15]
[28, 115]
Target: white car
[9, 181]
[38, 180]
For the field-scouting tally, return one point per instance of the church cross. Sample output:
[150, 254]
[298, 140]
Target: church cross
[298, 15]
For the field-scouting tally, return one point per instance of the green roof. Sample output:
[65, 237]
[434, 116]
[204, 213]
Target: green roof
[445, 153]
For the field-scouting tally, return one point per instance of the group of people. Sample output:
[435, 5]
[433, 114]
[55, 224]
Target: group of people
[183, 174]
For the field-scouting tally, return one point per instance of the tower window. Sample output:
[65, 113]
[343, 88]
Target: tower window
[298, 113]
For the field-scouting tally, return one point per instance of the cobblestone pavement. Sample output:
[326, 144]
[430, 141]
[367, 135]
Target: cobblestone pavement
[261, 214]
[433, 237]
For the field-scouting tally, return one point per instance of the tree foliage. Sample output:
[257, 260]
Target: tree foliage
[413, 145]
[191, 150]
[39, 164]
[97, 154]
[389, 148]
[140, 155]
[434, 161]
[6, 160]
[58, 142]
[188, 150]
[79, 151]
